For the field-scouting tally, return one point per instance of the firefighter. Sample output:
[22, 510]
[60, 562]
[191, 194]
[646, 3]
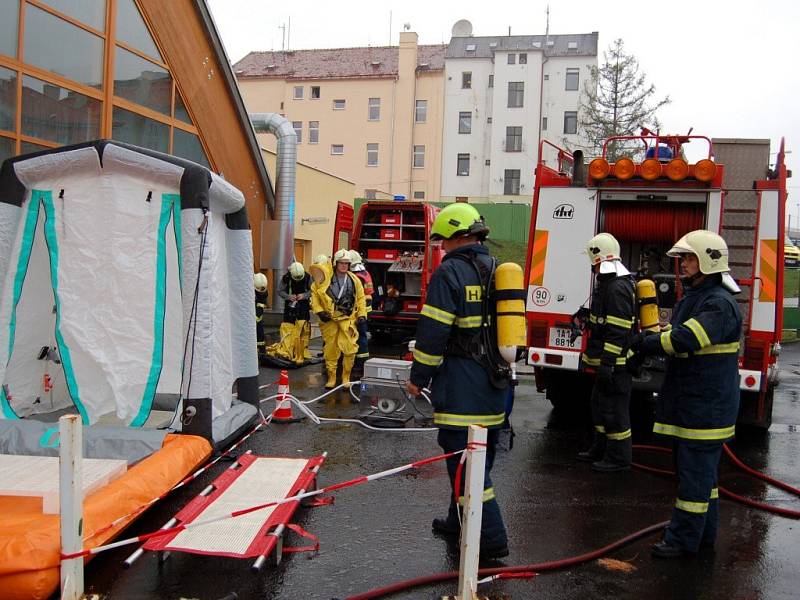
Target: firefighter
[357, 267]
[260, 285]
[611, 326]
[338, 300]
[699, 399]
[449, 356]
[296, 293]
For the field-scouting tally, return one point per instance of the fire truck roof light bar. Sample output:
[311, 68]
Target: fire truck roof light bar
[652, 169]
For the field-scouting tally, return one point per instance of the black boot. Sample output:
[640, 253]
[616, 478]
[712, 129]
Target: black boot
[596, 450]
[616, 458]
[446, 527]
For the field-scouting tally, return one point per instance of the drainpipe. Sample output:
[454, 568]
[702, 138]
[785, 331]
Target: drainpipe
[278, 247]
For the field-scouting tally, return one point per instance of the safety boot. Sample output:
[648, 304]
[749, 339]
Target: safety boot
[331, 365]
[596, 451]
[347, 366]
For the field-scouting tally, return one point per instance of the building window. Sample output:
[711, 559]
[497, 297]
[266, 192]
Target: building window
[516, 93]
[141, 81]
[298, 130]
[471, 48]
[511, 182]
[315, 92]
[512, 59]
[419, 157]
[466, 80]
[298, 92]
[465, 122]
[374, 109]
[570, 121]
[523, 58]
[63, 116]
[547, 77]
[419, 195]
[488, 162]
[573, 75]
[372, 155]
[462, 199]
[514, 139]
[370, 194]
[491, 81]
[313, 132]
[187, 145]
[337, 149]
[544, 123]
[463, 165]
[338, 104]
[572, 47]
[489, 120]
[136, 129]
[421, 113]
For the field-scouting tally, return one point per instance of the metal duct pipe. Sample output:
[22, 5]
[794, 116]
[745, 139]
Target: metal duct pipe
[277, 236]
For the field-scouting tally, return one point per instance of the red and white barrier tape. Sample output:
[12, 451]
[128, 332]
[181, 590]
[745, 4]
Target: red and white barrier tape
[244, 511]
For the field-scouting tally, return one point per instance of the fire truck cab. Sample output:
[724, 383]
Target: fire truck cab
[647, 200]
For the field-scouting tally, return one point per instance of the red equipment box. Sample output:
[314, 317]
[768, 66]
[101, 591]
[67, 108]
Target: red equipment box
[411, 306]
[390, 234]
[390, 219]
[381, 254]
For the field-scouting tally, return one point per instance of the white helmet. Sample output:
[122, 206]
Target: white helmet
[260, 282]
[321, 259]
[342, 256]
[602, 247]
[297, 271]
[355, 258]
[709, 248]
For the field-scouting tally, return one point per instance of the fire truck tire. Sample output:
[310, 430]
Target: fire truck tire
[749, 419]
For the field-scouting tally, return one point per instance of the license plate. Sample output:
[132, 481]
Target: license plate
[560, 338]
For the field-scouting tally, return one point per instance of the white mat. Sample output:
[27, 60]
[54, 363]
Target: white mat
[265, 480]
[38, 476]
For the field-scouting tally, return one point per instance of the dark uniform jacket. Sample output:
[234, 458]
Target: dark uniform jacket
[461, 393]
[611, 321]
[302, 287]
[699, 400]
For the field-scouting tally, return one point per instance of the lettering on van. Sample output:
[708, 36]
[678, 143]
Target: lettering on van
[564, 211]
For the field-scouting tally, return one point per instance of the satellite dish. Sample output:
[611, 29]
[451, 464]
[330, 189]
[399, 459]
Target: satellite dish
[462, 28]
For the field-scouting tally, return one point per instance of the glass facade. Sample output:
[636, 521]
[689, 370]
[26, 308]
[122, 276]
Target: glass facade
[62, 48]
[9, 21]
[56, 114]
[60, 80]
[137, 129]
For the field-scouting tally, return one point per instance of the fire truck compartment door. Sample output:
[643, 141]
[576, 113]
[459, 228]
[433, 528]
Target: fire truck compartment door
[559, 279]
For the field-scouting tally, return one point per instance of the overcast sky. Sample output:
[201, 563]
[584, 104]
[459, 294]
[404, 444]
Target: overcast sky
[729, 67]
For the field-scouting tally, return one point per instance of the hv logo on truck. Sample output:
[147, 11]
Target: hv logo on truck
[564, 211]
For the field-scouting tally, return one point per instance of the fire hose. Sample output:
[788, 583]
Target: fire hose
[564, 563]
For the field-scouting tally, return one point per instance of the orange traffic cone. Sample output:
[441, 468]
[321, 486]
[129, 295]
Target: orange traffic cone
[283, 406]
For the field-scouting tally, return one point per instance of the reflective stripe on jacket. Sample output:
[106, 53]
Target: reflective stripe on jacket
[611, 321]
[461, 390]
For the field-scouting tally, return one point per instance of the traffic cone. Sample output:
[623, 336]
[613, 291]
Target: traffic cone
[283, 406]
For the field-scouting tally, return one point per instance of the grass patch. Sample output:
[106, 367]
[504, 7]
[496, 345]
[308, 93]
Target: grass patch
[791, 282]
[508, 251]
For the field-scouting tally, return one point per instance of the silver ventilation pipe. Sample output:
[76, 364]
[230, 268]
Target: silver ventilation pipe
[277, 236]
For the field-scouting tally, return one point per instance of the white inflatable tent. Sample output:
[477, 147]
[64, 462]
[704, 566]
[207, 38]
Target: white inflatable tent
[125, 276]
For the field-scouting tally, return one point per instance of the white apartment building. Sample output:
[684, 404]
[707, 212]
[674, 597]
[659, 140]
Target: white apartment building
[502, 95]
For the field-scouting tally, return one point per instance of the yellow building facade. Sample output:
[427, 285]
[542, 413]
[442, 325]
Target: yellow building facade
[371, 116]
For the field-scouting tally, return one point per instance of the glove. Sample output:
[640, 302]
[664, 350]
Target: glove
[605, 374]
[638, 339]
[361, 320]
[324, 316]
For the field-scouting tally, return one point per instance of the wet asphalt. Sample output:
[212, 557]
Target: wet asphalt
[554, 507]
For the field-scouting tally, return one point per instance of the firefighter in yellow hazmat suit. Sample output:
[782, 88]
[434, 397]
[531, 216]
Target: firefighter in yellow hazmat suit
[337, 298]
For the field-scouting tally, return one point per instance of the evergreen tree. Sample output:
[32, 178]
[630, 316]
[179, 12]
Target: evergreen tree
[617, 100]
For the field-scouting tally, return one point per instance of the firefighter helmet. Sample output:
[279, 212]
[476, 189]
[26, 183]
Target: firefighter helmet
[297, 271]
[456, 220]
[355, 258]
[602, 247]
[260, 282]
[321, 259]
[709, 248]
[342, 256]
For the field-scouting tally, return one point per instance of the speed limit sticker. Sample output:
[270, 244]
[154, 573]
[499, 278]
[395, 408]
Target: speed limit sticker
[540, 296]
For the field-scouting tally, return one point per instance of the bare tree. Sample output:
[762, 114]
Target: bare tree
[617, 100]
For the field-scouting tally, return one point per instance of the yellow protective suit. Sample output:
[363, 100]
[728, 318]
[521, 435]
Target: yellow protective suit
[339, 335]
[293, 345]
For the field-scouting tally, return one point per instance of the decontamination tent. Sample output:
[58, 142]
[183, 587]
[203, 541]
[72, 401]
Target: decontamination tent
[125, 276]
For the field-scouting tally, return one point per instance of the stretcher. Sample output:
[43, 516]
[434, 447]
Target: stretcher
[251, 481]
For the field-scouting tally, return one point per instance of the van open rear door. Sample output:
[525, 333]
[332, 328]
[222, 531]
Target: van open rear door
[343, 228]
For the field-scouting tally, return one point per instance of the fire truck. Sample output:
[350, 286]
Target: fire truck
[393, 239]
[647, 203]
